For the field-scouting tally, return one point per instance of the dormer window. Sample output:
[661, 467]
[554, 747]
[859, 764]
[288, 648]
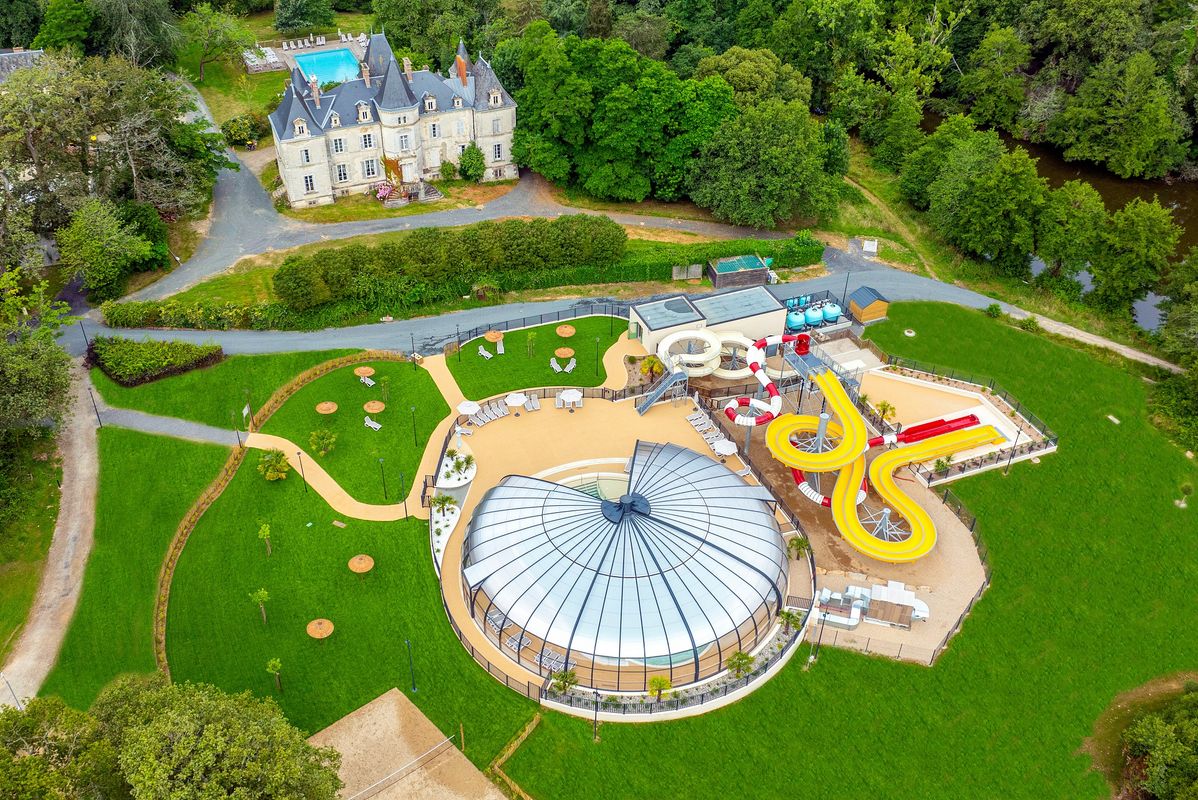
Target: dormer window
[457, 102]
[494, 98]
[334, 121]
[430, 104]
[363, 113]
[301, 127]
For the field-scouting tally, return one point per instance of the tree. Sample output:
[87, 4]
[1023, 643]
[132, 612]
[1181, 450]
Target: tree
[441, 503]
[739, 663]
[652, 368]
[1137, 246]
[648, 34]
[64, 27]
[192, 741]
[1123, 116]
[564, 680]
[34, 371]
[20, 23]
[264, 536]
[51, 750]
[820, 39]
[797, 546]
[764, 167]
[322, 441]
[789, 620]
[101, 248]
[756, 76]
[274, 667]
[897, 132]
[886, 411]
[298, 15]
[659, 685]
[259, 597]
[995, 83]
[1162, 750]
[1068, 232]
[273, 465]
[217, 36]
[472, 165]
[145, 32]
[922, 167]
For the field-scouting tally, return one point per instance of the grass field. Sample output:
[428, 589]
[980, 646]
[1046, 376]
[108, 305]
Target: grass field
[307, 578]
[458, 194]
[1092, 595]
[215, 395]
[354, 460]
[26, 528]
[147, 483]
[516, 369]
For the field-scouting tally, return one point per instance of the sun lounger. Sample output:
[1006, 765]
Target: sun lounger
[366, 380]
[284, 45]
[463, 431]
[374, 426]
[536, 403]
[556, 366]
[501, 408]
[517, 643]
[484, 352]
[499, 347]
[497, 621]
[528, 405]
[570, 367]
[558, 402]
[743, 472]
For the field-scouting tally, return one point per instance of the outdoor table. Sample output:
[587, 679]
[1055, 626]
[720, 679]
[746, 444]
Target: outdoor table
[361, 564]
[724, 447]
[320, 629]
[364, 372]
[572, 397]
[327, 407]
[374, 406]
[565, 331]
[564, 352]
[493, 336]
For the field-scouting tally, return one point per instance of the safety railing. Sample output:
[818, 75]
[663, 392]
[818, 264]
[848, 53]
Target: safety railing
[617, 310]
[533, 691]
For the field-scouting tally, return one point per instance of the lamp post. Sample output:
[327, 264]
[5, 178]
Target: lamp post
[299, 457]
[95, 407]
[595, 727]
[457, 335]
[413, 351]
[383, 476]
[1007, 469]
[596, 355]
[13, 692]
[414, 440]
[405, 497]
[86, 341]
[411, 668]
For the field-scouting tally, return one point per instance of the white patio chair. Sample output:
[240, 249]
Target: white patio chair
[558, 402]
[374, 426]
[499, 347]
[484, 352]
[556, 366]
[366, 380]
[570, 367]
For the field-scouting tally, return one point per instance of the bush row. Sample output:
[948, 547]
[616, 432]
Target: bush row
[132, 363]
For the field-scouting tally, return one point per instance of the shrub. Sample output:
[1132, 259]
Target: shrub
[273, 465]
[1030, 324]
[145, 219]
[245, 129]
[472, 164]
[449, 170]
[132, 363]
[322, 441]
[801, 251]
[994, 311]
[300, 284]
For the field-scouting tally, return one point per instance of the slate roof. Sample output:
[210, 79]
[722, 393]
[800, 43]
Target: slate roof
[864, 295]
[11, 61]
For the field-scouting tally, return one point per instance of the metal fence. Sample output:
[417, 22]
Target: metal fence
[533, 691]
[616, 310]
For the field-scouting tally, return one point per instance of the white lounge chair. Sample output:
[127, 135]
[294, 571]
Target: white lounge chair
[484, 352]
[556, 366]
[570, 367]
[462, 431]
[743, 472]
[499, 347]
[501, 408]
[366, 380]
[558, 402]
[284, 45]
[374, 426]
[536, 403]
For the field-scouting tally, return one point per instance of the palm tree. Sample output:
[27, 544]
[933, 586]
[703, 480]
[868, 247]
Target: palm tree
[531, 342]
[796, 546]
[739, 663]
[260, 597]
[651, 367]
[442, 503]
[274, 667]
[886, 411]
[273, 465]
[462, 464]
[659, 685]
[789, 619]
[564, 681]
[264, 535]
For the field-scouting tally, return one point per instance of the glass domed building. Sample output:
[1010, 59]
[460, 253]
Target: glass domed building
[684, 569]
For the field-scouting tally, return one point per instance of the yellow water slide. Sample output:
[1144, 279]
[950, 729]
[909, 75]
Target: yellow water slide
[881, 475]
[854, 438]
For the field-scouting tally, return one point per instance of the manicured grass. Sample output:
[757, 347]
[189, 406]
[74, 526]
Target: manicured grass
[516, 369]
[354, 460]
[458, 194]
[1092, 595]
[215, 395]
[147, 483]
[25, 531]
[215, 634]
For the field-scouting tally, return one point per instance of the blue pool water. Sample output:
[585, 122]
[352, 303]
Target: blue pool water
[332, 65]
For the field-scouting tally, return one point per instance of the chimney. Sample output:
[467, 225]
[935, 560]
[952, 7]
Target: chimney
[366, 74]
[314, 85]
[407, 67]
[461, 65]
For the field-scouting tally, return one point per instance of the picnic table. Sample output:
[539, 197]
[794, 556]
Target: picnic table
[565, 331]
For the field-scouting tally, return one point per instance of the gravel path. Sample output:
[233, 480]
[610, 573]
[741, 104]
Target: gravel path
[37, 649]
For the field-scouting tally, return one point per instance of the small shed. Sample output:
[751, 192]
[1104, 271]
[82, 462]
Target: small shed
[737, 272]
[867, 305]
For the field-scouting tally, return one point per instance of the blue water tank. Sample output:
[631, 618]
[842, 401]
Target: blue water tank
[814, 316]
[795, 321]
[831, 312]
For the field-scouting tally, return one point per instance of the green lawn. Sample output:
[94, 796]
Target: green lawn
[147, 483]
[26, 528]
[1093, 594]
[354, 460]
[215, 395]
[480, 378]
[215, 634]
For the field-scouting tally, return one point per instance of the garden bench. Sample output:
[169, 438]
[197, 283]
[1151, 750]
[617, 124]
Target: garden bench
[374, 426]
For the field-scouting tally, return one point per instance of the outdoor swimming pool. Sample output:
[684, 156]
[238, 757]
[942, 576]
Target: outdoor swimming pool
[332, 65]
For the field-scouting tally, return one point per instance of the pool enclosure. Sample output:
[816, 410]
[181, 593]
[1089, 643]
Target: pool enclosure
[681, 571]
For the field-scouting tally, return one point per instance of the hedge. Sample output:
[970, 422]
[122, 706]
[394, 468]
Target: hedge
[132, 363]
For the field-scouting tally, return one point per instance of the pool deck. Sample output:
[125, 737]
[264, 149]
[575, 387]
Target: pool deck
[333, 43]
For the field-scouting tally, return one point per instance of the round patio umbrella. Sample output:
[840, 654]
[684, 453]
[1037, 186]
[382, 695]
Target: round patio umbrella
[516, 399]
[571, 395]
[724, 447]
[468, 407]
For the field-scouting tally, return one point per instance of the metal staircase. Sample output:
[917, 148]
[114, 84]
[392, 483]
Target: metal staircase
[664, 384]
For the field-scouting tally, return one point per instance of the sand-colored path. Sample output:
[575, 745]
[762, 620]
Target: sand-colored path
[613, 361]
